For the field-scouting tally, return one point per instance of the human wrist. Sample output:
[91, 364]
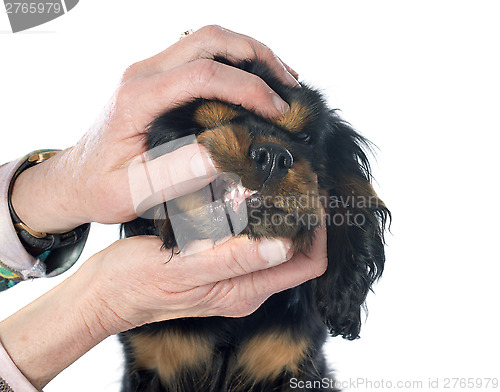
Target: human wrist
[53, 331]
[104, 317]
[45, 196]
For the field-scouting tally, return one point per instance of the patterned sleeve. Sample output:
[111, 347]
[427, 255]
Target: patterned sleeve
[16, 264]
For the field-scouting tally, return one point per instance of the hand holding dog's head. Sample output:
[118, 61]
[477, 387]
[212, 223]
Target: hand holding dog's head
[281, 172]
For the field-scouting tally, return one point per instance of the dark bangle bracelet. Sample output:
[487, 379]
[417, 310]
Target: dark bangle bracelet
[37, 243]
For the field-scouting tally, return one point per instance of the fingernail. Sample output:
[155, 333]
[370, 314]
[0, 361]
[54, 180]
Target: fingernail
[202, 165]
[294, 73]
[275, 251]
[291, 80]
[280, 105]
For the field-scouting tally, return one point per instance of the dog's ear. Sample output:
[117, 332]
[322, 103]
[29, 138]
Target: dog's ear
[138, 226]
[160, 226]
[356, 220]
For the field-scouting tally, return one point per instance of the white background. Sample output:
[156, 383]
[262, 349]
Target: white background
[420, 79]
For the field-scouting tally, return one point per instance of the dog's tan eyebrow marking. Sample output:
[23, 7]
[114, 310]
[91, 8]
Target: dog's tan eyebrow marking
[295, 119]
[212, 114]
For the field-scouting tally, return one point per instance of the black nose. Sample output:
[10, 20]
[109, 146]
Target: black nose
[272, 161]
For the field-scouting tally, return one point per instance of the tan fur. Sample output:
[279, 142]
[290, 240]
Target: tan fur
[191, 202]
[229, 146]
[267, 355]
[170, 353]
[295, 119]
[213, 114]
[363, 193]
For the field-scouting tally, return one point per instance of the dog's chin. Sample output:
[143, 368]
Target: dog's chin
[266, 215]
[272, 222]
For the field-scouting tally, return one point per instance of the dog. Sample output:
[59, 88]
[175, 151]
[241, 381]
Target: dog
[289, 169]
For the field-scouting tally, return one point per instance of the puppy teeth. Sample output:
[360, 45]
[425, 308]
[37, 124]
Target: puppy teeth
[236, 194]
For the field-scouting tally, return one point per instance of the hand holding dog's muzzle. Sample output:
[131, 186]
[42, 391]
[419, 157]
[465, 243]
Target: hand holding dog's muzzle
[139, 283]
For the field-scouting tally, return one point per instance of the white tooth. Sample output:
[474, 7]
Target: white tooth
[249, 193]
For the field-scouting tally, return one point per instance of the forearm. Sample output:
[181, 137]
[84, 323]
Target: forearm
[55, 330]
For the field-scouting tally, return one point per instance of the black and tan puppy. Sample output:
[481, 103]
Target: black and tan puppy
[284, 170]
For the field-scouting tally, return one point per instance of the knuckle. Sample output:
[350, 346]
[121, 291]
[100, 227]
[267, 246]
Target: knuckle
[260, 51]
[203, 72]
[252, 297]
[250, 306]
[130, 72]
[207, 71]
[211, 30]
[223, 299]
[232, 260]
[255, 90]
[245, 312]
[249, 50]
[319, 267]
[268, 54]
[211, 37]
[125, 93]
[162, 86]
[243, 299]
[244, 308]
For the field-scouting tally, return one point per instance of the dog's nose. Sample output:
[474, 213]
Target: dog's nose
[272, 161]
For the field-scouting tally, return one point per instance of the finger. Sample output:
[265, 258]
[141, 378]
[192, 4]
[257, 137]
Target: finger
[217, 40]
[178, 173]
[208, 79]
[211, 41]
[237, 257]
[242, 295]
[262, 52]
[290, 70]
[301, 268]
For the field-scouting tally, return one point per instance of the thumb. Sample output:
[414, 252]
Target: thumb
[175, 174]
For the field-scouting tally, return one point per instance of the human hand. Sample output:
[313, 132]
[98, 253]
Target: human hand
[89, 182]
[136, 283]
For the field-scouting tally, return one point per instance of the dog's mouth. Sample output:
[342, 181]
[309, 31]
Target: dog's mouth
[232, 193]
[260, 212]
[226, 208]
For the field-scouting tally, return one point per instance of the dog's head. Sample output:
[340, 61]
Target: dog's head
[279, 175]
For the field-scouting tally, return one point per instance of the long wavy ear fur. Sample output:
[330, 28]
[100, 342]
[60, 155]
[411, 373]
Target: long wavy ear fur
[356, 220]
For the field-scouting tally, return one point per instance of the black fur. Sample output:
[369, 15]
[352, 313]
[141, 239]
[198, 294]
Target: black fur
[336, 154]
